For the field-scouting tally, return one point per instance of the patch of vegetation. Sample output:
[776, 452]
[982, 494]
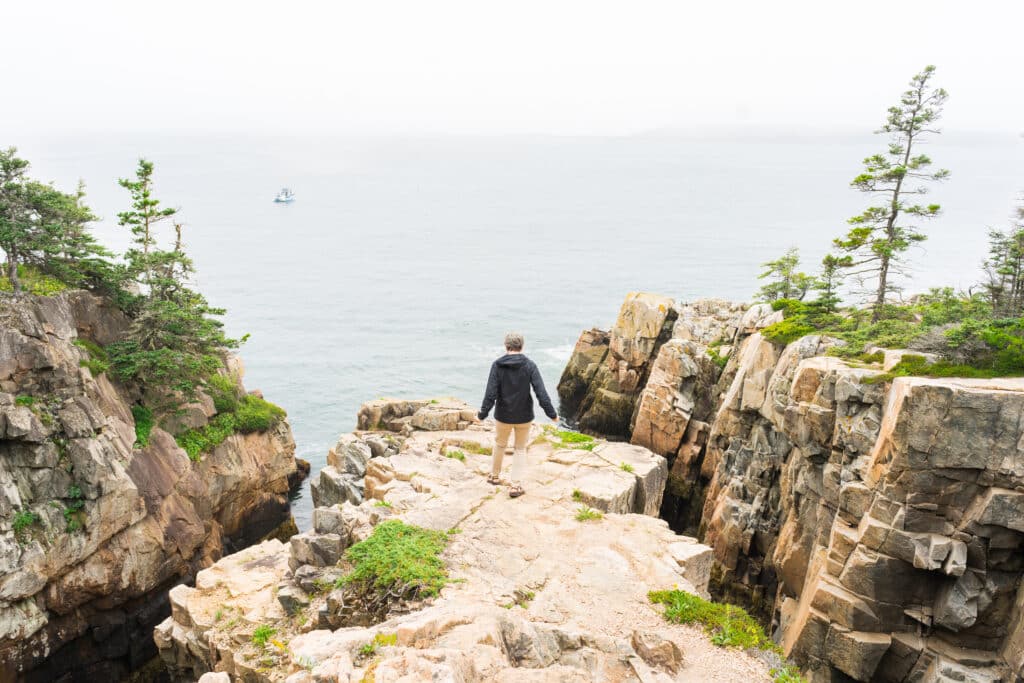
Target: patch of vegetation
[786, 331]
[625, 467]
[252, 415]
[24, 519]
[476, 448]
[379, 640]
[25, 401]
[143, 417]
[381, 504]
[577, 495]
[98, 362]
[720, 360]
[586, 513]
[787, 674]
[727, 625]
[456, 454]
[33, 281]
[224, 392]
[262, 635]
[399, 559]
[73, 515]
[912, 365]
[568, 437]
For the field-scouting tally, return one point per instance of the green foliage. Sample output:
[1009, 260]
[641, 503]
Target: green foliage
[456, 454]
[786, 674]
[728, 626]
[255, 414]
[25, 401]
[786, 331]
[879, 236]
[625, 467]
[577, 495]
[262, 635]
[23, 520]
[97, 360]
[719, 360]
[1004, 269]
[224, 392]
[195, 442]
[379, 640]
[586, 513]
[568, 437]
[381, 504]
[73, 516]
[784, 281]
[33, 281]
[398, 558]
[143, 417]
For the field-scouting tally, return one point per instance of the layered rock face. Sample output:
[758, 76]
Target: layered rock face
[535, 594]
[94, 531]
[876, 524]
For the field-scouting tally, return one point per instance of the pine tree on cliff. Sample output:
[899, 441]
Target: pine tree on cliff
[42, 227]
[784, 281]
[16, 227]
[1004, 269]
[882, 233]
[142, 218]
[175, 342]
[827, 284]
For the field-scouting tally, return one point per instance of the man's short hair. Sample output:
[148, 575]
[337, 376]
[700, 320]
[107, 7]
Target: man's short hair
[514, 341]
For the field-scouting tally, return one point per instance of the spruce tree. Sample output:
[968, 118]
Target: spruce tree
[828, 282]
[882, 233]
[1004, 269]
[784, 281]
[142, 218]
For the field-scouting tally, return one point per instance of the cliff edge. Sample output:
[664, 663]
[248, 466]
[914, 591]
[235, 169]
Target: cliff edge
[95, 527]
[875, 522]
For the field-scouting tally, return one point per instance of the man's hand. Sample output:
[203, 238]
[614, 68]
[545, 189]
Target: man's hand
[555, 420]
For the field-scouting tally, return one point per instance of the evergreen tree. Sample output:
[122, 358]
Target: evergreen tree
[142, 218]
[1004, 269]
[16, 229]
[175, 342]
[784, 281]
[881, 234]
[827, 284]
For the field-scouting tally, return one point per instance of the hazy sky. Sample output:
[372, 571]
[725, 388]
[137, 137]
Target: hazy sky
[563, 67]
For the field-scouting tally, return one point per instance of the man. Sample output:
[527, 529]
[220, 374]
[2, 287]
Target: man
[508, 385]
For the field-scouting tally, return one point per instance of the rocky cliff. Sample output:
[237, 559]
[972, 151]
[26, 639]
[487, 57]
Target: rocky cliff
[877, 525]
[534, 592]
[95, 530]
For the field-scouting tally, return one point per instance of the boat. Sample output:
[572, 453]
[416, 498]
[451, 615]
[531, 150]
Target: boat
[284, 196]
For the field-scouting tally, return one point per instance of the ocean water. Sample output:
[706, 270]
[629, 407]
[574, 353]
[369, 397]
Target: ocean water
[403, 261]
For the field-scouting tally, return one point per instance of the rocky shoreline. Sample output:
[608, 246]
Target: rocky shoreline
[108, 527]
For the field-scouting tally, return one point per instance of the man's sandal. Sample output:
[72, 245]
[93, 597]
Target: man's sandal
[494, 480]
[515, 492]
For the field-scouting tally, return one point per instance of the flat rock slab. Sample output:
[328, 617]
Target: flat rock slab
[534, 590]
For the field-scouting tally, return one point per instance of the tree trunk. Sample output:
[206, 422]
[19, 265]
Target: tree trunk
[12, 270]
[883, 276]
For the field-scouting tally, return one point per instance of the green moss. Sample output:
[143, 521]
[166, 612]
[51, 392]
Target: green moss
[625, 467]
[25, 401]
[382, 504]
[143, 425]
[379, 640]
[719, 360]
[728, 626]
[568, 437]
[398, 558]
[586, 513]
[577, 495]
[455, 454]
[74, 518]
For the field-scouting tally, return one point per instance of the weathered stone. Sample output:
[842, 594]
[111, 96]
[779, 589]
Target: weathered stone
[292, 598]
[856, 653]
[658, 652]
[319, 550]
[330, 487]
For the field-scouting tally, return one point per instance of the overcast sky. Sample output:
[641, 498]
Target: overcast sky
[561, 67]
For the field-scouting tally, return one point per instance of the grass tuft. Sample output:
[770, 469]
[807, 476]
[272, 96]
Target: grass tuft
[143, 425]
[262, 635]
[456, 454]
[727, 625]
[586, 513]
[625, 467]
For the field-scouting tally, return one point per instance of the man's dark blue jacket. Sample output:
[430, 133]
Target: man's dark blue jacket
[509, 384]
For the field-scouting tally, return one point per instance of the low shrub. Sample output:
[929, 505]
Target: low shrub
[252, 415]
[224, 392]
[262, 635]
[143, 417]
[400, 559]
[33, 281]
[256, 415]
[24, 519]
[586, 513]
